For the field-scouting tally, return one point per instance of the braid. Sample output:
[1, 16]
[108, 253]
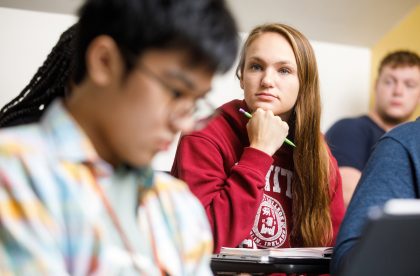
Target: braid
[48, 83]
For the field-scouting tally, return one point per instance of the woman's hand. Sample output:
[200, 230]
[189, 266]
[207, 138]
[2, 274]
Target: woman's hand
[266, 132]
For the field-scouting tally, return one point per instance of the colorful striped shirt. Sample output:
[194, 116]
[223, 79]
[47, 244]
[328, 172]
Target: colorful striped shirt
[53, 220]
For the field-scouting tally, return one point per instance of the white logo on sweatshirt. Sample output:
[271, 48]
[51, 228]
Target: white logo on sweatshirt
[285, 174]
[269, 228]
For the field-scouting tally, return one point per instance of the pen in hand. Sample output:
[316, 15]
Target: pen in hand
[248, 115]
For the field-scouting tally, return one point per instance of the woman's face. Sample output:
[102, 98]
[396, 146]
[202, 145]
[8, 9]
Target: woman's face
[269, 78]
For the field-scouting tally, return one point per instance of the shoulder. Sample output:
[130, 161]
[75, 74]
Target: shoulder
[406, 136]
[227, 127]
[165, 182]
[182, 207]
[176, 190]
[361, 129]
[228, 119]
[406, 132]
[24, 165]
[21, 140]
[23, 157]
[185, 216]
[350, 124]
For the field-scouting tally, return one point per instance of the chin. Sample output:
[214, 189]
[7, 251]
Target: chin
[262, 105]
[395, 119]
[140, 162]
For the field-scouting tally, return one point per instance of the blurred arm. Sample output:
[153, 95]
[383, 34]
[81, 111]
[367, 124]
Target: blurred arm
[350, 177]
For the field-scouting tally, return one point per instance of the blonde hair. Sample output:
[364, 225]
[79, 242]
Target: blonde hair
[312, 224]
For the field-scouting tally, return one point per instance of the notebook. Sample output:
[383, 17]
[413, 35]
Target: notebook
[301, 252]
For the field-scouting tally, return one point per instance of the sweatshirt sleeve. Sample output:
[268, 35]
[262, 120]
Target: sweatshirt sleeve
[231, 196]
[337, 209]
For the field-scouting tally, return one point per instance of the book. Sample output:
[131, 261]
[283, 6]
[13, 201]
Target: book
[294, 252]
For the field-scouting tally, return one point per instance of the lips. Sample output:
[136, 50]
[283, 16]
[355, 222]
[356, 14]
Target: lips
[265, 95]
[396, 103]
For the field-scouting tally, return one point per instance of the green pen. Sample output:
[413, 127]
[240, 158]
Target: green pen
[248, 115]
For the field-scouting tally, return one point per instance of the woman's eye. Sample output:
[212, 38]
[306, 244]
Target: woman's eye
[284, 71]
[255, 67]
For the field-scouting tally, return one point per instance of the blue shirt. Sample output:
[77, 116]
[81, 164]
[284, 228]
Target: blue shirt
[351, 141]
[393, 171]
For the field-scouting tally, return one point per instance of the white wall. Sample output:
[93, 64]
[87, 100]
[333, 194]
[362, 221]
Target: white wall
[27, 37]
[345, 80]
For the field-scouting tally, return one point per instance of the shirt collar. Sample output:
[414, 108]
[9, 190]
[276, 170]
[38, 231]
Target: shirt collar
[66, 136]
[72, 144]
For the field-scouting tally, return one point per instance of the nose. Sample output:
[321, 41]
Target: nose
[268, 78]
[398, 88]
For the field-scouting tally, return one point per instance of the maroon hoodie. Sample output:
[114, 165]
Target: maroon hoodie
[247, 194]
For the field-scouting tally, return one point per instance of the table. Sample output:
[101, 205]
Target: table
[222, 266]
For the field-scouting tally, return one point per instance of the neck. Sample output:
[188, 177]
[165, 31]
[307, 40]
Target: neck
[387, 126]
[85, 107]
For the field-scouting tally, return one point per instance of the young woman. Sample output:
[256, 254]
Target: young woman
[258, 191]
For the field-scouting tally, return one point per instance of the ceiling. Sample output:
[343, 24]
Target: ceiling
[354, 22]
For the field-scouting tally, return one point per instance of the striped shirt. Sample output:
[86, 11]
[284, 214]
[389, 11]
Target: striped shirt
[53, 220]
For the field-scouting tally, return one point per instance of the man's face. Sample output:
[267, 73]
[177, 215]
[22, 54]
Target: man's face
[397, 93]
[144, 114]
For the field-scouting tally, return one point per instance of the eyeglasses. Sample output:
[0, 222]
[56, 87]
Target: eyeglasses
[201, 110]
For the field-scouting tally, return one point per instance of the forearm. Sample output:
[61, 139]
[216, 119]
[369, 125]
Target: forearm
[231, 193]
[350, 177]
[232, 210]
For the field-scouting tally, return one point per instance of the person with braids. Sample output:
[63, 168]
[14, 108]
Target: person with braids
[50, 81]
[258, 191]
[77, 192]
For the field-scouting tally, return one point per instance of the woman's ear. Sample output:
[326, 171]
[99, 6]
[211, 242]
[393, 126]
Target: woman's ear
[241, 83]
[104, 63]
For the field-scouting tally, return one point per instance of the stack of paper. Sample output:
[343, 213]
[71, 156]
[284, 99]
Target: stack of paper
[301, 252]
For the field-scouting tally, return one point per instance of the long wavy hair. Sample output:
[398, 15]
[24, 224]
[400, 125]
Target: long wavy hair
[312, 224]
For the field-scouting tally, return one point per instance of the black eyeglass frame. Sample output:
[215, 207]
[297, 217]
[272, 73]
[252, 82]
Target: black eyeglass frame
[178, 95]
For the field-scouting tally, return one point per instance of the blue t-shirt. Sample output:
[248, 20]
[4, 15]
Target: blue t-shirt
[351, 141]
[393, 171]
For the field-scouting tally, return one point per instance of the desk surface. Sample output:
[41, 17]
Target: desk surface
[279, 265]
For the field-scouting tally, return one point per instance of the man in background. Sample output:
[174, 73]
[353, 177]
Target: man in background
[397, 95]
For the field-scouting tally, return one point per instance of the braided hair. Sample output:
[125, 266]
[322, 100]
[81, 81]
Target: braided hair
[48, 83]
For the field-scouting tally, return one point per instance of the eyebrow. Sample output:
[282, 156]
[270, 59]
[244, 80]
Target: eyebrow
[282, 62]
[187, 81]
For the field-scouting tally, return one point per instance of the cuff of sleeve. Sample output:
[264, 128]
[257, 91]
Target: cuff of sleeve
[256, 159]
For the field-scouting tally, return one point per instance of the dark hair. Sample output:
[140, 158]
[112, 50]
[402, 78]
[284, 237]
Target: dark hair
[205, 29]
[400, 59]
[48, 83]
